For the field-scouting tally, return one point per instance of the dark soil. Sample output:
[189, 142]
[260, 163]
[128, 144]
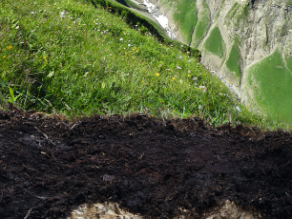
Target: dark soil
[152, 167]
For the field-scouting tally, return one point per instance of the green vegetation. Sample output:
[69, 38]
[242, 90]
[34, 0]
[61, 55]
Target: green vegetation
[231, 13]
[185, 14]
[233, 61]
[214, 43]
[271, 82]
[202, 26]
[79, 59]
[289, 63]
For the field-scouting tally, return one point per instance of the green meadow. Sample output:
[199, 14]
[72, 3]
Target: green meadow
[271, 83]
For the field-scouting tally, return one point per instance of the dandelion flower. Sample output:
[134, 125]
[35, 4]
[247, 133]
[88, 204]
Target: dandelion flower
[157, 74]
[45, 57]
[68, 27]
[9, 47]
[173, 78]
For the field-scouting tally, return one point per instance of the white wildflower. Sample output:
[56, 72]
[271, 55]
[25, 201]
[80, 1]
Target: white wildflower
[121, 39]
[32, 12]
[129, 44]
[178, 67]
[62, 14]
[55, 4]
[195, 78]
[238, 108]
[203, 87]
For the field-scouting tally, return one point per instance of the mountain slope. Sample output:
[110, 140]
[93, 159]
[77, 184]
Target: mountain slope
[235, 38]
[77, 58]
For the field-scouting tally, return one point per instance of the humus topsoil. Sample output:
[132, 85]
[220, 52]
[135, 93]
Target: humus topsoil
[153, 167]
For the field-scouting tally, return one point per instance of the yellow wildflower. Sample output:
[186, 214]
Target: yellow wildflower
[143, 82]
[137, 50]
[157, 74]
[4, 57]
[173, 78]
[189, 76]
[171, 70]
[45, 57]
[68, 27]
[9, 47]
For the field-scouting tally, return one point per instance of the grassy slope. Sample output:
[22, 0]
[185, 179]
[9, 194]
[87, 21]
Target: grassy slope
[272, 86]
[202, 26]
[90, 61]
[233, 61]
[214, 43]
[185, 14]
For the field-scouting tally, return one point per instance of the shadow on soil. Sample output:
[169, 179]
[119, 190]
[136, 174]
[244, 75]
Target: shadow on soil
[48, 166]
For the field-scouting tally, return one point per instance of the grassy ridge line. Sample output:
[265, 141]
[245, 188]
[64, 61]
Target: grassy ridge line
[134, 18]
[79, 60]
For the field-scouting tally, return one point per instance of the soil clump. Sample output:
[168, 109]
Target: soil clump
[49, 166]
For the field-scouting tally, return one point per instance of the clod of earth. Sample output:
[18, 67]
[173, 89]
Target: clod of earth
[154, 168]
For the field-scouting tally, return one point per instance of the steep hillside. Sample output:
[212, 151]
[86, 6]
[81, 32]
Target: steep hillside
[246, 42]
[77, 58]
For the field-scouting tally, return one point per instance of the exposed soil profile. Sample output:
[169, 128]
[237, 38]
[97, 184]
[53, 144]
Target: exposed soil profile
[49, 166]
